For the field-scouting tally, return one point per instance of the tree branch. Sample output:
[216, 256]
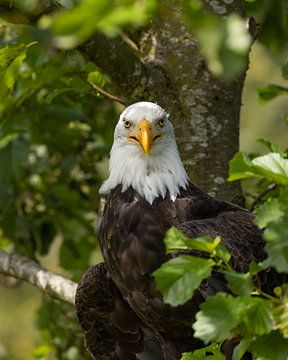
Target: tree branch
[258, 199]
[130, 75]
[107, 94]
[25, 269]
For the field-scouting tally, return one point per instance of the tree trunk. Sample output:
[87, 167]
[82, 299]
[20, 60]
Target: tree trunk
[172, 72]
[204, 110]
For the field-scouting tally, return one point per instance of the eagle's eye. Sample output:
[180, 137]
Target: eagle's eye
[161, 122]
[127, 124]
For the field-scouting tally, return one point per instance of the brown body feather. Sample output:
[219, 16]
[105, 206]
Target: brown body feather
[118, 305]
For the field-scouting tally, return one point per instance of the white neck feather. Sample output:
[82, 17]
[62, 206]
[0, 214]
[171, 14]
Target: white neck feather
[151, 176]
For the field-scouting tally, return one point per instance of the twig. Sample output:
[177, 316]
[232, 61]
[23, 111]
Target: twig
[107, 94]
[270, 188]
[25, 269]
[131, 77]
[129, 41]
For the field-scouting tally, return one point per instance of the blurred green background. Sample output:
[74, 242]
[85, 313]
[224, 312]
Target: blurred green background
[262, 120]
[48, 98]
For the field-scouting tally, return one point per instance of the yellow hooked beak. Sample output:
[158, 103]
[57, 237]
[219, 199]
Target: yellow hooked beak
[143, 135]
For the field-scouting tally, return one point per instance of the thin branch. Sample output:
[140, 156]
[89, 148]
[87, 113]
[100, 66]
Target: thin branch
[100, 90]
[107, 94]
[129, 42]
[123, 67]
[25, 269]
[257, 200]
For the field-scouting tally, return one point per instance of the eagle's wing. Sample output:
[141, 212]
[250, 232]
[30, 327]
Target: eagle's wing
[238, 234]
[208, 216]
[111, 329]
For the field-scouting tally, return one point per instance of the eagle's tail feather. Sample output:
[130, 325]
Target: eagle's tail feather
[111, 329]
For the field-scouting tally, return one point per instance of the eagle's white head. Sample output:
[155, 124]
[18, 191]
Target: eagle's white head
[144, 154]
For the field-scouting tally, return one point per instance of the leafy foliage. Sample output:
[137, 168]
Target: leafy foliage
[74, 26]
[271, 166]
[258, 318]
[178, 278]
[51, 197]
[217, 318]
[270, 346]
[225, 42]
[271, 91]
[55, 136]
[61, 333]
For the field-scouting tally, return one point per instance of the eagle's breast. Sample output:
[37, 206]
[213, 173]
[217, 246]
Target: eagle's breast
[131, 236]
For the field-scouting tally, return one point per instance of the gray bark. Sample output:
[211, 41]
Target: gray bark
[205, 111]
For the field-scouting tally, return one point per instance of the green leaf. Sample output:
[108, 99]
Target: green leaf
[12, 71]
[235, 47]
[223, 254]
[178, 278]
[239, 284]
[219, 315]
[74, 26]
[4, 242]
[42, 351]
[176, 240]
[257, 315]
[276, 236]
[241, 349]
[225, 42]
[77, 22]
[272, 147]
[255, 268]
[6, 139]
[137, 13]
[270, 346]
[8, 53]
[270, 92]
[222, 313]
[211, 352]
[240, 167]
[97, 78]
[272, 166]
[268, 212]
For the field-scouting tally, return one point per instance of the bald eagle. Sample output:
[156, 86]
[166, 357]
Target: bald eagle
[121, 312]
